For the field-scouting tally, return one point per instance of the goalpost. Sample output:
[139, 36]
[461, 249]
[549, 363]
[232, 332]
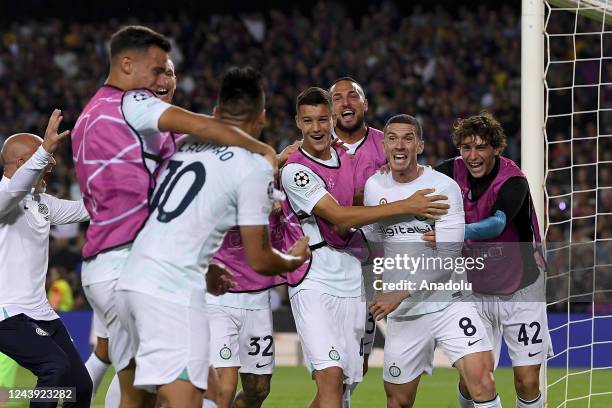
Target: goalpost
[566, 153]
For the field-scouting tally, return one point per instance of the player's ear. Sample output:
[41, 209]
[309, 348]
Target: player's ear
[19, 162]
[421, 146]
[216, 112]
[126, 64]
[365, 105]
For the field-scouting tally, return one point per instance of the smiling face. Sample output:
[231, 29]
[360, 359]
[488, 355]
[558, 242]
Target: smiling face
[402, 146]
[147, 68]
[478, 155]
[166, 93]
[315, 122]
[349, 104]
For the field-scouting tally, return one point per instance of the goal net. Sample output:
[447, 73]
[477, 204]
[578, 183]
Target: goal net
[578, 195]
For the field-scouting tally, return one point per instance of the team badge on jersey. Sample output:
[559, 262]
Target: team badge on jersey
[301, 179]
[334, 355]
[43, 209]
[41, 332]
[140, 96]
[394, 371]
[225, 353]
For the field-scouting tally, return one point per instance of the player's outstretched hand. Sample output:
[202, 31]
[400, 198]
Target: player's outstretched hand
[219, 280]
[339, 143]
[52, 138]
[384, 169]
[381, 308]
[300, 250]
[429, 236]
[425, 205]
[288, 151]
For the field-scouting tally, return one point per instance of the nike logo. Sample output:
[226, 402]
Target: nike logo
[472, 343]
[534, 354]
[263, 365]
[365, 344]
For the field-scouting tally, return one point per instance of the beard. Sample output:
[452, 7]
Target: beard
[350, 129]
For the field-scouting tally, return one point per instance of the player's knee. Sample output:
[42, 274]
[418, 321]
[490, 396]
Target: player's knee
[528, 385]
[226, 391]
[481, 387]
[329, 378]
[400, 401]
[258, 390]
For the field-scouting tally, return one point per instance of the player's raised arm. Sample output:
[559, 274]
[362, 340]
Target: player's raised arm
[421, 203]
[23, 168]
[212, 130]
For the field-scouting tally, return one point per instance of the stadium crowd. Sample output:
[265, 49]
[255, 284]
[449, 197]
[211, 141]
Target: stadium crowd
[435, 64]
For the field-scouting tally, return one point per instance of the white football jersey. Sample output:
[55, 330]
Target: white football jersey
[402, 237]
[332, 271]
[201, 192]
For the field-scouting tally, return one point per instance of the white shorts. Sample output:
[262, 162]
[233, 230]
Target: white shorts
[101, 297]
[98, 327]
[331, 331]
[522, 324]
[241, 338]
[170, 341]
[410, 341]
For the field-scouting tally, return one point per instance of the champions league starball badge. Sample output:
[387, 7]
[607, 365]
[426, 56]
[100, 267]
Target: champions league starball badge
[301, 179]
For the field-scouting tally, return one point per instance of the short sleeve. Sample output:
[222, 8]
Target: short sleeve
[368, 194]
[142, 110]
[451, 227]
[255, 196]
[303, 187]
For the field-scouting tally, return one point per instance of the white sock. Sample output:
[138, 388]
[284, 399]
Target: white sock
[113, 395]
[208, 404]
[96, 369]
[464, 402]
[353, 387]
[346, 397]
[535, 403]
[494, 403]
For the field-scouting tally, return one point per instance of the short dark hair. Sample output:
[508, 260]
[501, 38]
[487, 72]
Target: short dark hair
[407, 119]
[135, 37]
[242, 93]
[313, 96]
[349, 79]
[484, 125]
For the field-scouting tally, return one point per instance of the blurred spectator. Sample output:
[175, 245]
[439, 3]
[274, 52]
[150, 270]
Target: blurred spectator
[435, 63]
[60, 291]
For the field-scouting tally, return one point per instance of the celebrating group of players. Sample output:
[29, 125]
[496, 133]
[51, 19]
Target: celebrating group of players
[189, 231]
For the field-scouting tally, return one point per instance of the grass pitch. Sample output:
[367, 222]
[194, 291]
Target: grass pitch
[292, 387]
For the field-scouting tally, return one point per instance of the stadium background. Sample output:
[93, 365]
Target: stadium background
[436, 60]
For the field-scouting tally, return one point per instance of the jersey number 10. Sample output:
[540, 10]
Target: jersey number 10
[170, 182]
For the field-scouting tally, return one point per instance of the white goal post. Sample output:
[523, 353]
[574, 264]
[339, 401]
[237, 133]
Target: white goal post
[566, 138]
